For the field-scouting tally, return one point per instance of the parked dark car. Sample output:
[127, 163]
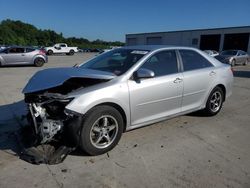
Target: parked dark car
[96, 50]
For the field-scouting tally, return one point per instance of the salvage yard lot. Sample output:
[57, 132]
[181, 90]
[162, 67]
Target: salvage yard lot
[188, 151]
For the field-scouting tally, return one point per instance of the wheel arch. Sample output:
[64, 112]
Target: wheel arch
[1, 61]
[49, 51]
[220, 85]
[38, 56]
[223, 89]
[120, 110]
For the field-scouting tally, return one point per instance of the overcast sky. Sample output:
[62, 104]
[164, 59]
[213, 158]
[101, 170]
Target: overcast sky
[112, 19]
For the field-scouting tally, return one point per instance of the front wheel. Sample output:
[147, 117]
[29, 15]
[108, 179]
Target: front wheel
[214, 102]
[71, 52]
[101, 130]
[50, 52]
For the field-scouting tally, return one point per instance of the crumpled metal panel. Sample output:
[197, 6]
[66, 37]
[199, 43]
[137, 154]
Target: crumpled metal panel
[53, 77]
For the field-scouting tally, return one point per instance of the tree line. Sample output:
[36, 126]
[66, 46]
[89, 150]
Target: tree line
[19, 33]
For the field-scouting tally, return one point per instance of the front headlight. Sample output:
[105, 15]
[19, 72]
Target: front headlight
[71, 113]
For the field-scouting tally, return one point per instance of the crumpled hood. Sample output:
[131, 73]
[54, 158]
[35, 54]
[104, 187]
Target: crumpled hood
[53, 77]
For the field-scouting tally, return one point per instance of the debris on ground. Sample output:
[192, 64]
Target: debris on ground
[64, 170]
[52, 153]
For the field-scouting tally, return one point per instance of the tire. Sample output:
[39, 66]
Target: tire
[101, 130]
[71, 52]
[50, 52]
[214, 102]
[233, 63]
[38, 62]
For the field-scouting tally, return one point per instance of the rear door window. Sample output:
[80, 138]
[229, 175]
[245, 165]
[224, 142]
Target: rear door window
[192, 60]
[29, 50]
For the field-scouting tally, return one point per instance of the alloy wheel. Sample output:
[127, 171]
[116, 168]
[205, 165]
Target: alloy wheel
[104, 131]
[216, 101]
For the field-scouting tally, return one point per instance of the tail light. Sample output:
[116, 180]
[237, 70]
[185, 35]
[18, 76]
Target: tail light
[42, 52]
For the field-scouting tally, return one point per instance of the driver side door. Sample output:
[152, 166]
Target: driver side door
[156, 98]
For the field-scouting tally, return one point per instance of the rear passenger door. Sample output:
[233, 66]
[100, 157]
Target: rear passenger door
[29, 54]
[198, 76]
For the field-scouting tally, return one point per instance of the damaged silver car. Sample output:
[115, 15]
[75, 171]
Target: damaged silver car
[91, 105]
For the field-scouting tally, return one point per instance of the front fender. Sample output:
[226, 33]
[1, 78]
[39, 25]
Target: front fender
[2, 62]
[117, 94]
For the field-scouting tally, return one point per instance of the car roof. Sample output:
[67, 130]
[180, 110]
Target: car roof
[21, 47]
[231, 50]
[155, 47]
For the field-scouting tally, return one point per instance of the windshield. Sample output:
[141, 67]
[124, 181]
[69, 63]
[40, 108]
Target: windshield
[3, 50]
[116, 61]
[229, 52]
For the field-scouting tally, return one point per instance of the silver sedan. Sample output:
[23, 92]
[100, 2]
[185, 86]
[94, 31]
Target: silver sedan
[234, 57]
[124, 89]
[22, 56]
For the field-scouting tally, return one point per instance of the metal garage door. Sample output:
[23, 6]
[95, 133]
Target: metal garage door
[210, 42]
[154, 40]
[237, 41]
[131, 41]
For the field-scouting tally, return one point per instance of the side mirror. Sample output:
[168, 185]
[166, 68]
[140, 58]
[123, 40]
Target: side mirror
[143, 73]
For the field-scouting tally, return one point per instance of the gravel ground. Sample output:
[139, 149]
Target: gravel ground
[187, 151]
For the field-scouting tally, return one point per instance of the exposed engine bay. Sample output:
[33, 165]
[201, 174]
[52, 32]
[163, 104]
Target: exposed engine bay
[51, 123]
[48, 117]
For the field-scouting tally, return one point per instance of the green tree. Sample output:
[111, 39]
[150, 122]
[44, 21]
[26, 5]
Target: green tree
[19, 33]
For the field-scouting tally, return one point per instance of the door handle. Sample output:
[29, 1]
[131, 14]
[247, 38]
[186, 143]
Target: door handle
[177, 80]
[212, 73]
[23, 55]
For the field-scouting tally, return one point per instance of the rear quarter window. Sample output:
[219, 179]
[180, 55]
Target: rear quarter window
[29, 50]
[193, 60]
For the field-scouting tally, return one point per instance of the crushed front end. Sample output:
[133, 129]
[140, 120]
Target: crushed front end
[51, 127]
[47, 114]
[47, 94]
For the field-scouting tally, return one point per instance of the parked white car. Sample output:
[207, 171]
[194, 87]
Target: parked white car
[212, 53]
[61, 48]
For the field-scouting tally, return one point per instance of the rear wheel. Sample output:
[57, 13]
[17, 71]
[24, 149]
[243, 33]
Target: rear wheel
[214, 102]
[71, 52]
[102, 130]
[39, 62]
[50, 52]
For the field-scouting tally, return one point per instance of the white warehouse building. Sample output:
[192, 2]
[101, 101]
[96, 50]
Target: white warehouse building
[218, 39]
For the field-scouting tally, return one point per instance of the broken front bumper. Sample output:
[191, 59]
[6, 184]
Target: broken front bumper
[53, 139]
